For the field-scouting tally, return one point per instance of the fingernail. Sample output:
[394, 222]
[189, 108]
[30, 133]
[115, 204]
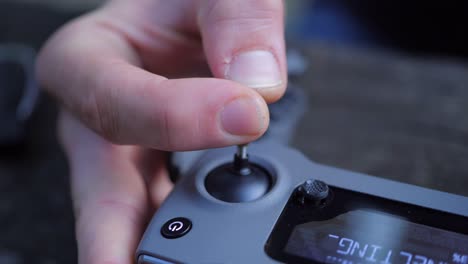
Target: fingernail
[242, 117]
[256, 69]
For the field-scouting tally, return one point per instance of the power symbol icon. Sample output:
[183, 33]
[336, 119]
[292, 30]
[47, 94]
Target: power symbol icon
[176, 227]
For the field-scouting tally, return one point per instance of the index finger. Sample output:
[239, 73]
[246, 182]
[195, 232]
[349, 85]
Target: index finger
[95, 73]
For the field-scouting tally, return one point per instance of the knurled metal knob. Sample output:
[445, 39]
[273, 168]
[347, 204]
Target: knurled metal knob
[313, 190]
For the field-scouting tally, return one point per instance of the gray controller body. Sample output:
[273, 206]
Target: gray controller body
[223, 232]
[237, 232]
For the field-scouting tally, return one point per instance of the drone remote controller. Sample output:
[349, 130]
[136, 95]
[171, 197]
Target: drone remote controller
[277, 206]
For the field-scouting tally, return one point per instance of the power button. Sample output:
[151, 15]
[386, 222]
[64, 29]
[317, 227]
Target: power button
[176, 227]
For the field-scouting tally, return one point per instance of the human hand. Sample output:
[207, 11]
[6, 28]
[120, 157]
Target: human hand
[120, 74]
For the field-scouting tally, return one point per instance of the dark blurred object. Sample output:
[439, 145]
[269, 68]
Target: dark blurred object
[423, 28]
[18, 92]
[36, 217]
[31, 24]
[420, 27]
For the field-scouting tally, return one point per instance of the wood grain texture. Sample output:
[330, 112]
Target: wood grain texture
[387, 115]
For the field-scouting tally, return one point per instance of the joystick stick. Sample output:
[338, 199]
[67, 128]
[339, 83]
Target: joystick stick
[238, 181]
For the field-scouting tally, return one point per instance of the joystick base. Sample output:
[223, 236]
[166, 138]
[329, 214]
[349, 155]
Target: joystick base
[226, 183]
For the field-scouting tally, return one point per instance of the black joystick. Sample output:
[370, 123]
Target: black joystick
[239, 181]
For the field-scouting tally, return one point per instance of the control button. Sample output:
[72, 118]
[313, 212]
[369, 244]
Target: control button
[176, 227]
[313, 190]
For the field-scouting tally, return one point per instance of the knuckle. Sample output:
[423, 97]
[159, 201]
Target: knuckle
[160, 118]
[96, 113]
[98, 260]
[97, 110]
[170, 120]
[124, 207]
[127, 209]
[107, 121]
[166, 131]
[259, 14]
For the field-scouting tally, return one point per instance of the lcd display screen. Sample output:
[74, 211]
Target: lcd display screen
[362, 236]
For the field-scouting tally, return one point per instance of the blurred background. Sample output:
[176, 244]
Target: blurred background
[386, 84]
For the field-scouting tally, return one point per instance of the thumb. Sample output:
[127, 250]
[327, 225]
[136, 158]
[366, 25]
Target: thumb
[244, 42]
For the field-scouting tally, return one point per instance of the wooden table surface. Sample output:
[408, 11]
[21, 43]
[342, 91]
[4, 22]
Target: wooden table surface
[387, 115]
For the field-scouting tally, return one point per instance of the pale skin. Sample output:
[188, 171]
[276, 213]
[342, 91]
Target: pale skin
[128, 78]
